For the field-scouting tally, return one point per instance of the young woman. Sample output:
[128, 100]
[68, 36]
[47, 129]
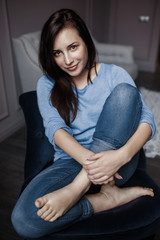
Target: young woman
[96, 120]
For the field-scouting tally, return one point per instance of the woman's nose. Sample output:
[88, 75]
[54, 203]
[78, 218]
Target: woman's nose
[68, 59]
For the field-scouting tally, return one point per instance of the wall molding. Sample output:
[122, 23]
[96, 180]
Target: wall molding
[3, 98]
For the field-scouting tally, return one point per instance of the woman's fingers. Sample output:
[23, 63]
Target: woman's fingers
[103, 180]
[91, 168]
[118, 176]
[94, 156]
[94, 171]
[95, 176]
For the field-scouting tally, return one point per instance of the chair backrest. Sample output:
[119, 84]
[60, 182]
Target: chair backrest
[39, 151]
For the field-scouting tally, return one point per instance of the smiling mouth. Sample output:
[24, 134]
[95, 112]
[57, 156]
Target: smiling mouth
[73, 67]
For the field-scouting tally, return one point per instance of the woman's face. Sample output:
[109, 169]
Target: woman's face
[70, 52]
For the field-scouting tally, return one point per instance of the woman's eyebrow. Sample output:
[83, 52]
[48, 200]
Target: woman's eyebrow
[72, 44]
[54, 50]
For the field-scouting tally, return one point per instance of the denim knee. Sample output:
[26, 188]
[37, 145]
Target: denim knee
[125, 91]
[24, 227]
[19, 224]
[120, 115]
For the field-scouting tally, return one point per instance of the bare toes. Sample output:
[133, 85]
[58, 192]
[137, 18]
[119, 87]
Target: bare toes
[43, 210]
[50, 216]
[46, 213]
[54, 218]
[40, 202]
[149, 191]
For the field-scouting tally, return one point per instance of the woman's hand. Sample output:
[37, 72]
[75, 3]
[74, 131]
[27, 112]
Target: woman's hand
[103, 167]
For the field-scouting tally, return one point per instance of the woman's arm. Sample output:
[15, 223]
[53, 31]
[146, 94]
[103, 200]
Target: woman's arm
[70, 146]
[107, 163]
[137, 141]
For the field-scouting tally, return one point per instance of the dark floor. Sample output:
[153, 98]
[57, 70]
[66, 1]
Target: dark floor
[12, 153]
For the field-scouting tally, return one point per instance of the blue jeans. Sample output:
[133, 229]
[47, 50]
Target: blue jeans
[117, 123]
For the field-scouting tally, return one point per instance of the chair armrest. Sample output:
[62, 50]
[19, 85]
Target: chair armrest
[30, 44]
[114, 52]
[25, 53]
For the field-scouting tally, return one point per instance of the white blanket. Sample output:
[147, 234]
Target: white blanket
[152, 99]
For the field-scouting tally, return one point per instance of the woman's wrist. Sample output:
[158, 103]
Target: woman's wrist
[125, 155]
[136, 142]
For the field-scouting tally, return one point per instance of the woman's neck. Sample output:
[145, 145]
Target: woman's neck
[82, 80]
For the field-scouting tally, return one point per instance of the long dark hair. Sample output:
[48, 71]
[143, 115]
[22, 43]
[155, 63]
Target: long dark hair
[62, 95]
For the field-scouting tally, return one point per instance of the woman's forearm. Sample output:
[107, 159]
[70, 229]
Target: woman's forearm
[136, 142]
[70, 146]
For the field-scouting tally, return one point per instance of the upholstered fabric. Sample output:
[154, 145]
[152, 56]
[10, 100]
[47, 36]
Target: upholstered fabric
[39, 152]
[135, 220]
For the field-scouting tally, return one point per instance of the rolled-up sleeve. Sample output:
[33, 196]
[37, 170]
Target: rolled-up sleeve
[119, 75]
[52, 121]
[147, 116]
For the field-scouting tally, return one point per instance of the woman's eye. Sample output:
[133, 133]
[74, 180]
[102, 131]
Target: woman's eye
[56, 53]
[73, 47]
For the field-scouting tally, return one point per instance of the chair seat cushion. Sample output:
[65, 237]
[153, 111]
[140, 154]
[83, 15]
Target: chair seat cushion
[135, 220]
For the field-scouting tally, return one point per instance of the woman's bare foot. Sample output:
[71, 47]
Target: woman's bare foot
[55, 204]
[111, 196]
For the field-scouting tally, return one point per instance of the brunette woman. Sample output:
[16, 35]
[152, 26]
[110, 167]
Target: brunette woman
[97, 121]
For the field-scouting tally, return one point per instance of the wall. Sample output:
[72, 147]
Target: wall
[11, 117]
[126, 28]
[98, 19]
[29, 16]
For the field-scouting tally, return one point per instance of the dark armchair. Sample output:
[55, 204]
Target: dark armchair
[116, 224]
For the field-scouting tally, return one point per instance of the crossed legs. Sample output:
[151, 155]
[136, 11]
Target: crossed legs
[118, 121]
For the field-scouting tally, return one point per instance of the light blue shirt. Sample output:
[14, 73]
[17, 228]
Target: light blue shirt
[91, 100]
